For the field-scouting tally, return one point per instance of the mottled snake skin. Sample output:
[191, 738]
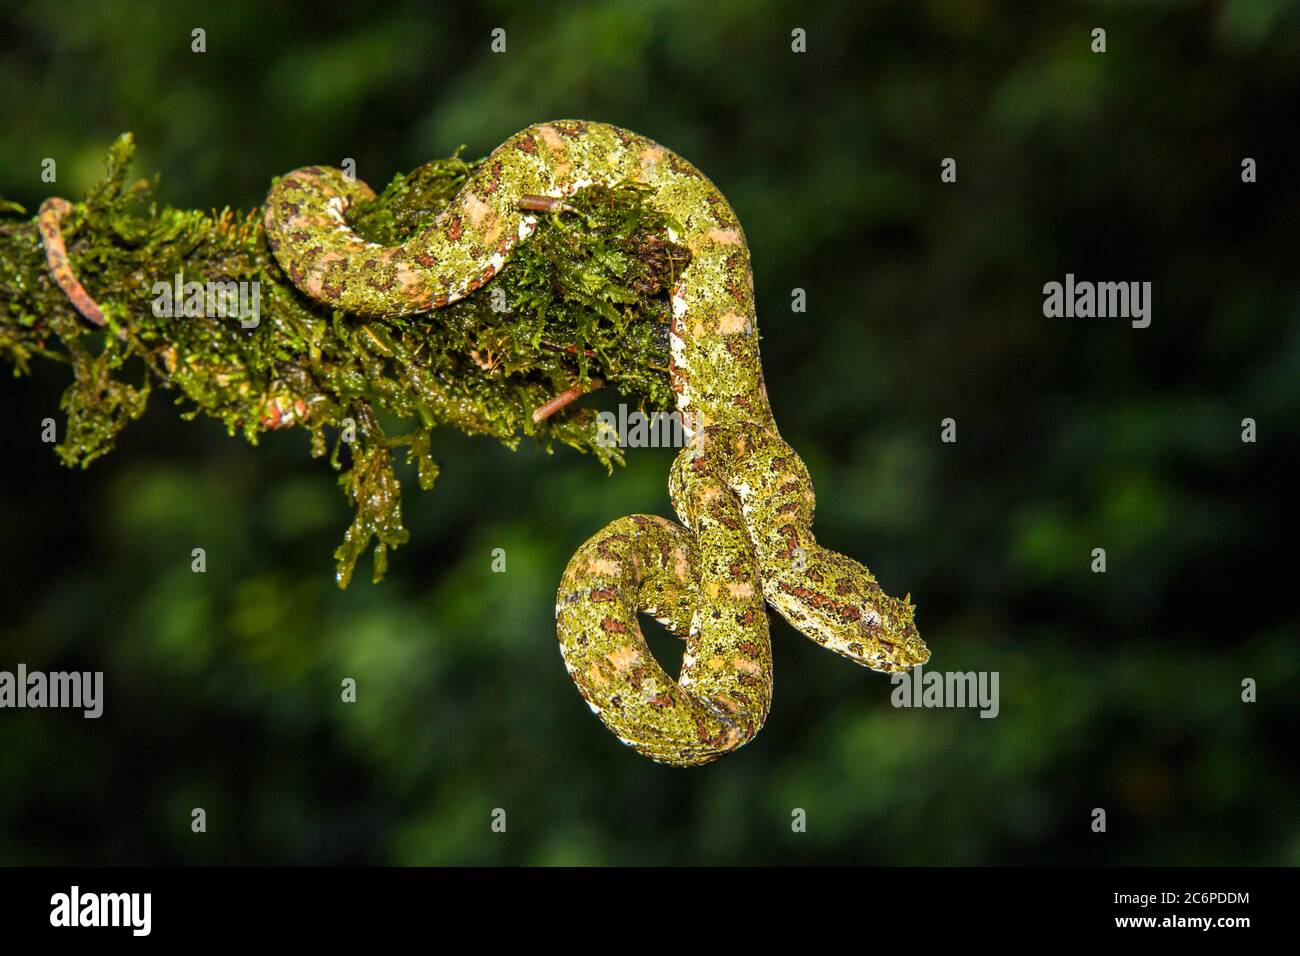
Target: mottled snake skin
[743, 495]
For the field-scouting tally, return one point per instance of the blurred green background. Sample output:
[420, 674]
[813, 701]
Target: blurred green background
[1118, 690]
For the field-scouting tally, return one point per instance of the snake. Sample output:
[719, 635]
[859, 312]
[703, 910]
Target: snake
[743, 497]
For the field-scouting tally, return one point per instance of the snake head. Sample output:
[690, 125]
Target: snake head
[888, 635]
[837, 602]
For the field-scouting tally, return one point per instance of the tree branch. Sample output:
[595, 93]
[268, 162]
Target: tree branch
[584, 299]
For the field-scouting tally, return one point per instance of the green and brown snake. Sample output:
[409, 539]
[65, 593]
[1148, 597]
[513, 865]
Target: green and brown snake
[744, 498]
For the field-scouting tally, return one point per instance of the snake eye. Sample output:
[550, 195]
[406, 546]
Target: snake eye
[871, 619]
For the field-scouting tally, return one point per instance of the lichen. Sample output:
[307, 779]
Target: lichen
[584, 298]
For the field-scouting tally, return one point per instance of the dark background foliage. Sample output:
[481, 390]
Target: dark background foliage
[1118, 690]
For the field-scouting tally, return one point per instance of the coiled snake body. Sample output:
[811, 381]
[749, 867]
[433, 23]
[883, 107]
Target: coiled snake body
[744, 497]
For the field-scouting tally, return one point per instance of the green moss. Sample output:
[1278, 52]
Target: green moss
[585, 297]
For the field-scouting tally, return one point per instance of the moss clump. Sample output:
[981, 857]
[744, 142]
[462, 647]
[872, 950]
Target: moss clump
[586, 297]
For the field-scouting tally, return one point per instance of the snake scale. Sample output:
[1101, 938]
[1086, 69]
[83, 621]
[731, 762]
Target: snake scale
[745, 499]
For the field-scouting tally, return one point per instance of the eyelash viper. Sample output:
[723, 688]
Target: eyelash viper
[744, 497]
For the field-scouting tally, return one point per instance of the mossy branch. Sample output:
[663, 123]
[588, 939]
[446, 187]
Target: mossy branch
[586, 297]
